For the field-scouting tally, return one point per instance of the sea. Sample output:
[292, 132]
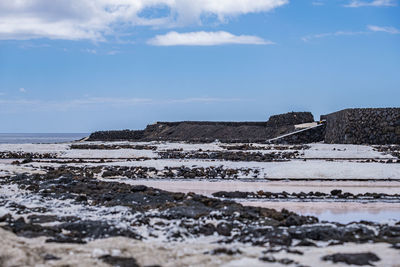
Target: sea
[40, 138]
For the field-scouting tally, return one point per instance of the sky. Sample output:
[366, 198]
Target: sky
[87, 65]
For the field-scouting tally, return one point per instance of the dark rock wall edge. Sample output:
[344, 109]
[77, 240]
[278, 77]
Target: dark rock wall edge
[348, 126]
[363, 126]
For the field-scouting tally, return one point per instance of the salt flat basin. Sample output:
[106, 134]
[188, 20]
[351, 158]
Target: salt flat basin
[337, 211]
[342, 212]
[207, 187]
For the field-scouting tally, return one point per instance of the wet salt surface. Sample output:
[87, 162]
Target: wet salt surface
[342, 212]
[337, 211]
[207, 187]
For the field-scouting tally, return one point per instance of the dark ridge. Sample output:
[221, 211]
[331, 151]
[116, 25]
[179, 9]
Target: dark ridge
[209, 131]
[349, 126]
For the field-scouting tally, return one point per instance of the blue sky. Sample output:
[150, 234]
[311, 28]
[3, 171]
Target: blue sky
[84, 65]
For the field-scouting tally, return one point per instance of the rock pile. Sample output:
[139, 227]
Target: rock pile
[112, 146]
[336, 194]
[232, 156]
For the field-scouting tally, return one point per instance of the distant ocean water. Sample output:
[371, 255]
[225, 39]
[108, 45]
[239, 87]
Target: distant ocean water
[47, 138]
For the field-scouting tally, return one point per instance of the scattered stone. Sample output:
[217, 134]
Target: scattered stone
[231, 155]
[50, 257]
[111, 147]
[334, 194]
[119, 261]
[353, 258]
[226, 251]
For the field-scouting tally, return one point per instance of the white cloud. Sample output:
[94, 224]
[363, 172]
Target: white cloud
[205, 39]
[391, 30]
[95, 20]
[22, 90]
[377, 3]
[331, 34]
[371, 29]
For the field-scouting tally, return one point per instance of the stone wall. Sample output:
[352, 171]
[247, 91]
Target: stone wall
[363, 126]
[349, 126]
[290, 118]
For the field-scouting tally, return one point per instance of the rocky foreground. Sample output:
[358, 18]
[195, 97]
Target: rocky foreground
[65, 208]
[73, 205]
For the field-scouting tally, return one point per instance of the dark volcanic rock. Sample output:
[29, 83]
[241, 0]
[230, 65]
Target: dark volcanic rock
[187, 211]
[119, 261]
[353, 258]
[116, 135]
[226, 251]
[231, 156]
[306, 243]
[284, 261]
[27, 156]
[334, 195]
[209, 131]
[20, 227]
[192, 211]
[77, 231]
[174, 215]
[50, 257]
[351, 233]
[224, 229]
[111, 147]
[95, 230]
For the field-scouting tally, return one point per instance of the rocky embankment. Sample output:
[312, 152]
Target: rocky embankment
[209, 131]
[379, 126]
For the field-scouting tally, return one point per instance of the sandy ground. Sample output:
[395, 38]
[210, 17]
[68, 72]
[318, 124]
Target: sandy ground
[17, 251]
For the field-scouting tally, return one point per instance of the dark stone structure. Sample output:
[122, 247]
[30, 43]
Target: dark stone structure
[291, 118]
[363, 126]
[349, 126]
[209, 131]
